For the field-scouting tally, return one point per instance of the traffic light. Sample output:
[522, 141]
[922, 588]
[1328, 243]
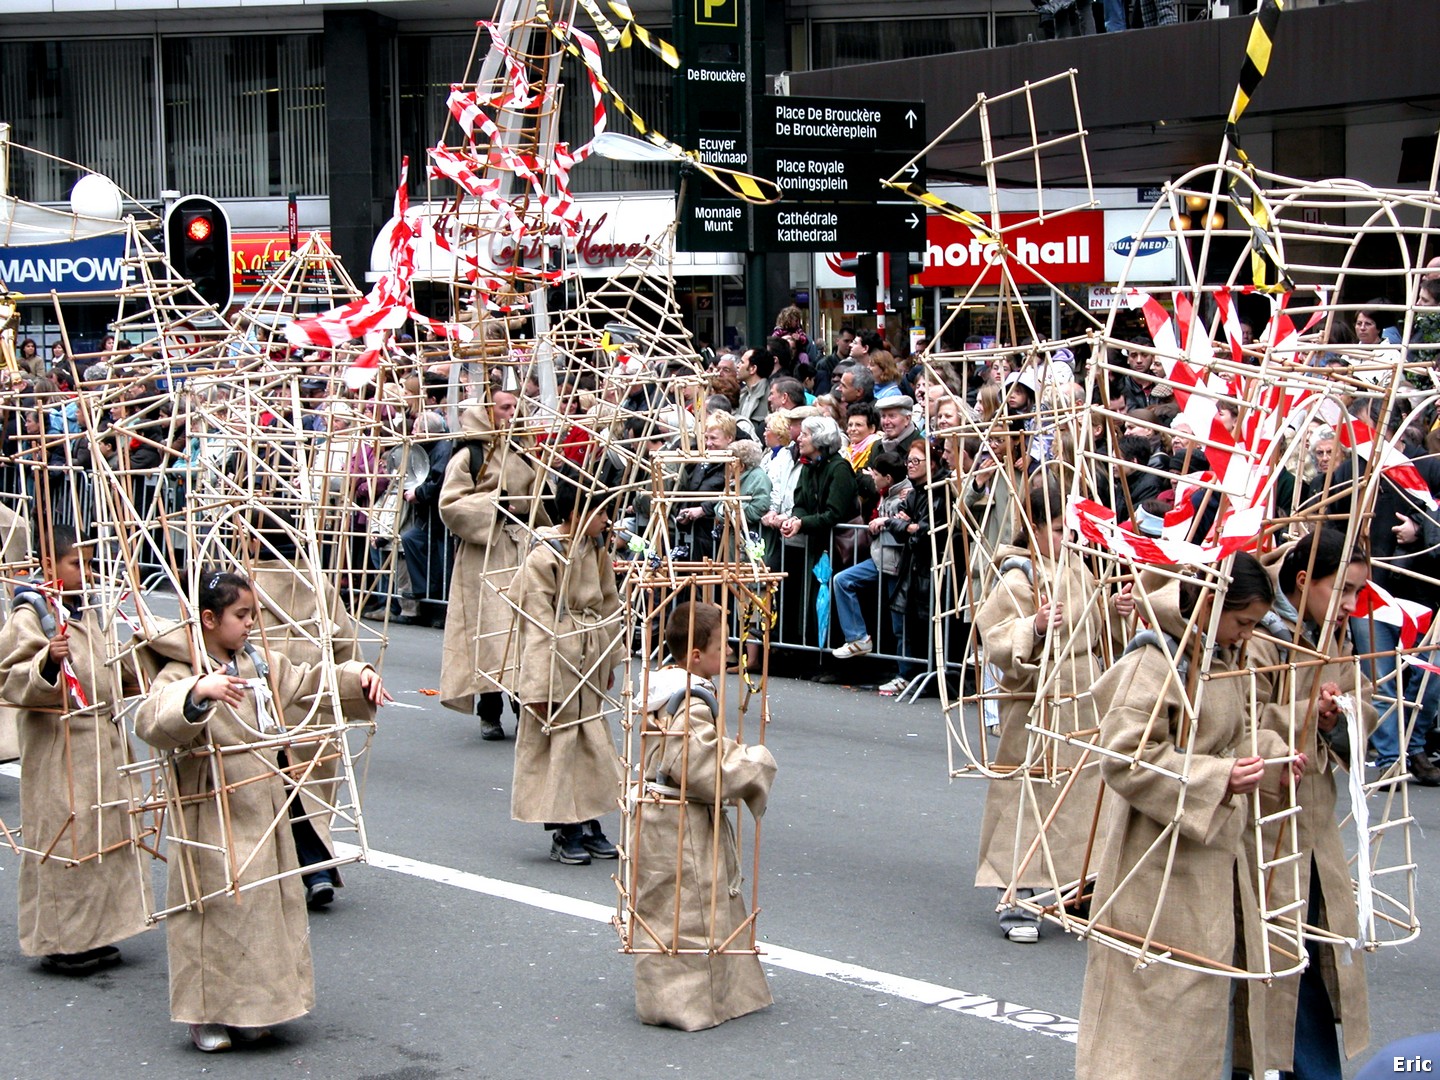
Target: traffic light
[900, 268]
[197, 243]
[867, 281]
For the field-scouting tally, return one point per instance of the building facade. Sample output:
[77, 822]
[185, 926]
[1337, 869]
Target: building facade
[252, 103]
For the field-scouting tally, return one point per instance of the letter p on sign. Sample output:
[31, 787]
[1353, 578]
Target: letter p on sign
[717, 12]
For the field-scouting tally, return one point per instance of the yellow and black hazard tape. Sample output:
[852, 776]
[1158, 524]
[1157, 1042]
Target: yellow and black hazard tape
[629, 31]
[742, 185]
[1259, 50]
[971, 220]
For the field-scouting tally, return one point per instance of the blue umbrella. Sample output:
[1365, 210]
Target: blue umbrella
[822, 597]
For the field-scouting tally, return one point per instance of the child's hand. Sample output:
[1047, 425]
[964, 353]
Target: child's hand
[1050, 615]
[375, 691]
[220, 687]
[1328, 709]
[59, 648]
[1297, 767]
[1124, 600]
[1246, 774]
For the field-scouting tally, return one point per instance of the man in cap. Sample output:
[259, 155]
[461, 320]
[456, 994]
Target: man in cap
[897, 425]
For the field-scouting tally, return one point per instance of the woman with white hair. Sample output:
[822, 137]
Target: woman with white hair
[781, 461]
[825, 495]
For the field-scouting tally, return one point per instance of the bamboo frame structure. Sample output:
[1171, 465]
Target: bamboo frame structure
[740, 585]
[1278, 399]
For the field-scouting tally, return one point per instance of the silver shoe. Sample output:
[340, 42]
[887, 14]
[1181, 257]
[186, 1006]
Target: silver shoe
[210, 1038]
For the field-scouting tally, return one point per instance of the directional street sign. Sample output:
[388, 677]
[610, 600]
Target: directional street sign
[715, 225]
[711, 108]
[787, 226]
[807, 123]
[832, 175]
[828, 156]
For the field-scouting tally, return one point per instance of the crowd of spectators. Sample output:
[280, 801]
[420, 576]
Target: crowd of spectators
[848, 455]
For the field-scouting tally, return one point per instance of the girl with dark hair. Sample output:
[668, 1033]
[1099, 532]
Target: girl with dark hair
[1319, 586]
[567, 772]
[239, 961]
[1150, 715]
[1038, 619]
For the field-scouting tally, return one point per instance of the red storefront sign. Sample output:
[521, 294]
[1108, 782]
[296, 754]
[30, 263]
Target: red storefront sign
[253, 255]
[1065, 250]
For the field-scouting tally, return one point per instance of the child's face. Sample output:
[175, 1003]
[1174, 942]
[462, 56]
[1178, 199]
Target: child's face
[1236, 626]
[709, 662]
[66, 570]
[1317, 596]
[228, 630]
[595, 526]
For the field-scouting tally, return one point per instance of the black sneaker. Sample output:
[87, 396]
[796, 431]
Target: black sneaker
[82, 963]
[567, 848]
[319, 895]
[491, 729]
[594, 841]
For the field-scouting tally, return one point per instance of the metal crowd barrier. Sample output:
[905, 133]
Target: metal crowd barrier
[784, 634]
[796, 625]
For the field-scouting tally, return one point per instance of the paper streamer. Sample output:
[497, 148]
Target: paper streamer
[1360, 812]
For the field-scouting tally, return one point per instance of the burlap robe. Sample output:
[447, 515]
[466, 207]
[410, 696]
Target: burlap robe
[694, 991]
[1317, 837]
[1005, 626]
[489, 516]
[14, 551]
[1165, 1021]
[69, 761]
[243, 962]
[285, 593]
[569, 625]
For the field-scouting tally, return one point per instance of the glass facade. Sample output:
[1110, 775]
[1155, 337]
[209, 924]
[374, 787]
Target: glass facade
[245, 115]
[869, 41]
[91, 102]
[429, 65]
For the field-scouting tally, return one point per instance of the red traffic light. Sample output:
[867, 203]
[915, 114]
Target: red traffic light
[199, 229]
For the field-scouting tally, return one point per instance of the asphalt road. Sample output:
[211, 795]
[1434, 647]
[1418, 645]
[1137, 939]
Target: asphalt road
[462, 951]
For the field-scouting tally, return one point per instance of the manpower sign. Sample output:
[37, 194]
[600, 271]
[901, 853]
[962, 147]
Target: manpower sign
[1064, 250]
[93, 265]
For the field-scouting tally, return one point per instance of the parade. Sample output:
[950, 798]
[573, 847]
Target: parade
[329, 593]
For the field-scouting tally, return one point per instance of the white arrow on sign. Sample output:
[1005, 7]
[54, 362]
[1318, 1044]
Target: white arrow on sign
[912, 221]
[910, 116]
[913, 171]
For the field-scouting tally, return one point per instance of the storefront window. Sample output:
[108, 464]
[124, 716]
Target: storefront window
[245, 116]
[91, 102]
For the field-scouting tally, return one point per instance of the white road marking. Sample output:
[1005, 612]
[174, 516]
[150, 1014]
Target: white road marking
[983, 1006]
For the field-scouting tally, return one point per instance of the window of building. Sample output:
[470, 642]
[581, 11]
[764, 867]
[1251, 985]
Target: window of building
[91, 102]
[429, 65]
[245, 115]
[870, 41]
[1018, 29]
